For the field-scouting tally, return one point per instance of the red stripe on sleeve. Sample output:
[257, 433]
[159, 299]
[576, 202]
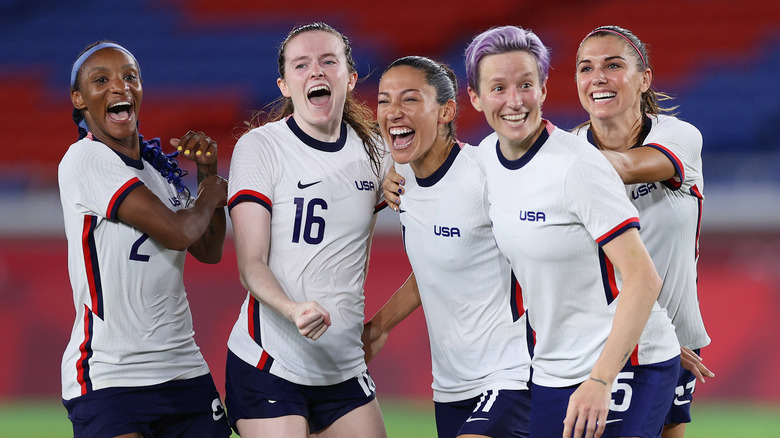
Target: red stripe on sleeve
[252, 194]
[118, 194]
[617, 228]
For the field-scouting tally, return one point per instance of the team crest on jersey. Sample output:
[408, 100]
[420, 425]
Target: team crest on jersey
[532, 216]
[365, 185]
[643, 190]
[446, 231]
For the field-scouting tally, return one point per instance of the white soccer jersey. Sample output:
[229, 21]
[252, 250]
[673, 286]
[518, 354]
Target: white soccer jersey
[322, 197]
[671, 220]
[552, 210]
[133, 325]
[476, 324]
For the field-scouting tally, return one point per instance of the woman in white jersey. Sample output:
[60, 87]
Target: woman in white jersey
[659, 159]
[132, 367]
[303, 193]
[475, 318]
[561, 217]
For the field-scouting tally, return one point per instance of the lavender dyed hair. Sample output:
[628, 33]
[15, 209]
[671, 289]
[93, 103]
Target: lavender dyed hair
[501, 40]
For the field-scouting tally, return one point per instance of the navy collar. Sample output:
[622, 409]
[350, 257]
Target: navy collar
[317, 144]
[522, 161]
[131, 162]
[442, 170]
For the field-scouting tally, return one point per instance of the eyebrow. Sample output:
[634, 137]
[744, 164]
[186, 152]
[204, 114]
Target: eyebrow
[408, 90]
[103, 68]
[608, 58]
[306, 57]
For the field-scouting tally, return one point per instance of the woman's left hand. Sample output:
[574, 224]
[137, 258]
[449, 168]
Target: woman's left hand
[197, 147]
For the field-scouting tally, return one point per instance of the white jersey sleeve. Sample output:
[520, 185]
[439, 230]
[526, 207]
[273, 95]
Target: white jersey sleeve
[591, 174]
[681, 142]
[92, 165]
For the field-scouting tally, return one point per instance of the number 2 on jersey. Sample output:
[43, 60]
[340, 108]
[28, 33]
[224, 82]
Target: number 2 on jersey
[309, 221]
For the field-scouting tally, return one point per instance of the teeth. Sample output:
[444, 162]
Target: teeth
[514, 117]
[120, 104]
[400, 131]
[318, 88]
[603, 95]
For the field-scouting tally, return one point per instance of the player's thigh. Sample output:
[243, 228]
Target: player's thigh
[362, 422]
[292, 426]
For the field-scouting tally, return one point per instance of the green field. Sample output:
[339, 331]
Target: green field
[415, 420]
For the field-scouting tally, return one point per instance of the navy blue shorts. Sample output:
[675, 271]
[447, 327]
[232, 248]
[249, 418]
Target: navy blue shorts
[254, 393]
[179, 408]
[504, 413]
[641, 396]
[680, 411]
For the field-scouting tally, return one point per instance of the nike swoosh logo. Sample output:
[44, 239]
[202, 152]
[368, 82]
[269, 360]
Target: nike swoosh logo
[401, 210]
[303, 186]
[272, 401]
[469, 420]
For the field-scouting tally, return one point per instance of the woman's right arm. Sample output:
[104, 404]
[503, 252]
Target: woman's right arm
[641, 165]
[175, 230]
[403, 302]
[252, 235]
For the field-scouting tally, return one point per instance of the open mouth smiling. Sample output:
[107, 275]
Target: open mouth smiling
[120, 111]
[319, 94]
[401, 136]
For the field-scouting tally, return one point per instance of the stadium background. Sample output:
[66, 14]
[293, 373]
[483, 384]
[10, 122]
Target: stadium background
[207, 64]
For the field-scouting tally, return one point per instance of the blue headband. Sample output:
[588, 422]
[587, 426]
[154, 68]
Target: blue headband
[77, 65]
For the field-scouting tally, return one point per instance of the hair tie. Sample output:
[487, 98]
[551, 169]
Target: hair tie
[84, 56]
[622, 36]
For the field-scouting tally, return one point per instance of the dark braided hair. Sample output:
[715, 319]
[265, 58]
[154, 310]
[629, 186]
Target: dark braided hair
[151, 151]
[166, 164]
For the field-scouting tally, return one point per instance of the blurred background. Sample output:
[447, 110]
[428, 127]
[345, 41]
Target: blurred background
[208, 64]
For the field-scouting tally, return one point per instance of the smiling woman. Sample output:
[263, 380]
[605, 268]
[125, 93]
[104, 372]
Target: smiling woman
[129, 219]
[548, 223]
[476, 326]
[658, 156]
[295, 365]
